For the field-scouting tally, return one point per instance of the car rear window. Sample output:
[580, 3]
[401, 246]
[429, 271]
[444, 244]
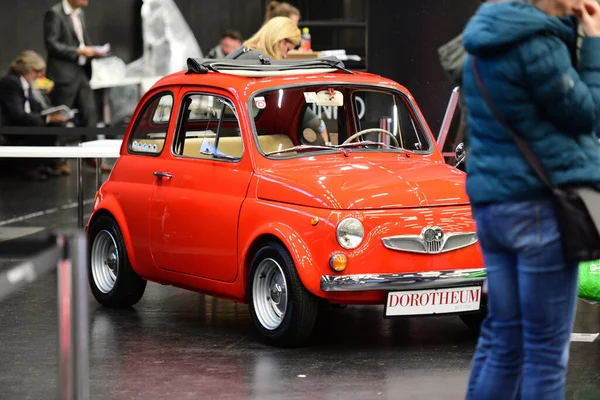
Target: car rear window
[149, 132]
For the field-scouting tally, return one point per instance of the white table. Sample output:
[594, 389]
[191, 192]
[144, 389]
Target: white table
[97, 149]
[143, 83]
[106, 84]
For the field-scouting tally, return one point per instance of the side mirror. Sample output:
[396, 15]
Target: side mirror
[461, 154]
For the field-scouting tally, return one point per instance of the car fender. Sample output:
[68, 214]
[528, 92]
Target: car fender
[299, 251]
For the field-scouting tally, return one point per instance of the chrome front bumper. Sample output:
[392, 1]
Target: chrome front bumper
[407, 281]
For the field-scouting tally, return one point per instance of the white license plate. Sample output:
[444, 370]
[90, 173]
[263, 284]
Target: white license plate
[433, 301]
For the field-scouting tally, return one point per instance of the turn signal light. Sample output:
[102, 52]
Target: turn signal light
[338, 262]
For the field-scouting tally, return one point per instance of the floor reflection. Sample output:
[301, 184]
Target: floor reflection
[182, 345]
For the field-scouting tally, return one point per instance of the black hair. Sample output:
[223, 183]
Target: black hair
[233, 34]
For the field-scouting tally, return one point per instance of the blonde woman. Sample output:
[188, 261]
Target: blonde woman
[274, 40]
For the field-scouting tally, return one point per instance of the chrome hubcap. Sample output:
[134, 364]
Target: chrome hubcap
[269, 294]
[105, 261]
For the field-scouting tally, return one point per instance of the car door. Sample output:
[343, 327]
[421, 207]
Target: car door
[200, 190]
[132, 181]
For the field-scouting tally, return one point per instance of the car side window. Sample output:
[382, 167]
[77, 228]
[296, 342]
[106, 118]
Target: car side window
[208, 129]
[150, 129]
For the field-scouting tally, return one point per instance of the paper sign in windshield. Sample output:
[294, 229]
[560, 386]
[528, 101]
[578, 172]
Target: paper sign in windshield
[311, 97]
[260, 102]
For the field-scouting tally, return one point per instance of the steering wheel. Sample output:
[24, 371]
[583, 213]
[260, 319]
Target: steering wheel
[371, 130]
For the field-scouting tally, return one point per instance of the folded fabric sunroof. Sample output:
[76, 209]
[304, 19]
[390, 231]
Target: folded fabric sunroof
[264, 66]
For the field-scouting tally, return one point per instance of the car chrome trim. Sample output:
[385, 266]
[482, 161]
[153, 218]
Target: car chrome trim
[432, 240]
[404, 281]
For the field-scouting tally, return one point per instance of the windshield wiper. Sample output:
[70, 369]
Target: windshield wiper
[371, 143]
[307, 147]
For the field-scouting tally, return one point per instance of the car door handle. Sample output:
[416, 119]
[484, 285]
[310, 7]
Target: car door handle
[163, 174]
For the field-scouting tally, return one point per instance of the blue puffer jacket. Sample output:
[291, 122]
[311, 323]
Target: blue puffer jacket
[525, 59]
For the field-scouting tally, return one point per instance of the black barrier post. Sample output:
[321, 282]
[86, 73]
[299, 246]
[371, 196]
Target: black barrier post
[80, 192]
[73, 318]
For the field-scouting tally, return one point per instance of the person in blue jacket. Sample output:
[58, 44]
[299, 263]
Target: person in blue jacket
[526, 53]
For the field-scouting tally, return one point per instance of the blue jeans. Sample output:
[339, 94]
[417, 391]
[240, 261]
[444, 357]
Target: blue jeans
[523, 348]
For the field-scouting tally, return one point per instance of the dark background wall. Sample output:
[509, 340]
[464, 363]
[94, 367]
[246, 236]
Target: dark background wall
[402, 44]
[208, 18]
[114, 21]
[119, 22]
[401, 40]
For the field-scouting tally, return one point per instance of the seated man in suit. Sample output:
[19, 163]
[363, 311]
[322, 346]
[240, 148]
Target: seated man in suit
[20, 107]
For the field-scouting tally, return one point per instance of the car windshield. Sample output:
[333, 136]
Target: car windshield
[327, 118]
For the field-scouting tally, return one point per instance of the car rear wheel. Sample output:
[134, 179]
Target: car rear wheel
[282, 310]
[112, 280]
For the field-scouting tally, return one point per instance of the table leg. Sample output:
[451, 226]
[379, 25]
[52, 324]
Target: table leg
[98, 173]
[106, 107]
[80, 192]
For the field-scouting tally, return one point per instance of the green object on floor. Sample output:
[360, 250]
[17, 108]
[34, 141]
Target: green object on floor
[589, 280]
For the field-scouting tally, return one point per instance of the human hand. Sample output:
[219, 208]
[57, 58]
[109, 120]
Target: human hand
[86, 51]
[102, 51]
[589, 13]
[58, 118]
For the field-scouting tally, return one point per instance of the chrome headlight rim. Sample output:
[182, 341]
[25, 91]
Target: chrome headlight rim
[344, 225]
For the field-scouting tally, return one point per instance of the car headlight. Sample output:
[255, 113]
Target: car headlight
[350, 233]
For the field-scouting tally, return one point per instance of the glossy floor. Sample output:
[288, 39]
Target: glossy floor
[182, 345]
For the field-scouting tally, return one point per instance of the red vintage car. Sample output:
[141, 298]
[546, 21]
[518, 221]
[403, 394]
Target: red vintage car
[287, 185]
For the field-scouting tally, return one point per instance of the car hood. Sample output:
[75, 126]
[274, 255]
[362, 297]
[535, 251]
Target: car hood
[360, 183]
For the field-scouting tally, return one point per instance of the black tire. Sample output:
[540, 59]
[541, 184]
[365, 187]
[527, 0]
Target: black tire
[128, 287]
[473, 321]
[302, 307]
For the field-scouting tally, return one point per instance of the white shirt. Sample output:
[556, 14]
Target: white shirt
[26, 86]
[76, 19]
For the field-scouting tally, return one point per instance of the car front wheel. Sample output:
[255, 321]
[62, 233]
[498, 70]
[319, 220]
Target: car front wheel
[112, 280]
[283, 311]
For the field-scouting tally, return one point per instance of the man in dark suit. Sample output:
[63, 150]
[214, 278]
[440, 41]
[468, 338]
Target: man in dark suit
[69, 58]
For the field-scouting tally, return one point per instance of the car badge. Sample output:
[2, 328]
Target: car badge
[433, 238]
[432, 234]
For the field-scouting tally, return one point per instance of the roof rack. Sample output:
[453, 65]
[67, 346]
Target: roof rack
[264, 66]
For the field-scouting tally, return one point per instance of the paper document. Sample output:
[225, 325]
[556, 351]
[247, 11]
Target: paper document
[102, 50]
[62, 110]
[340, 54]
